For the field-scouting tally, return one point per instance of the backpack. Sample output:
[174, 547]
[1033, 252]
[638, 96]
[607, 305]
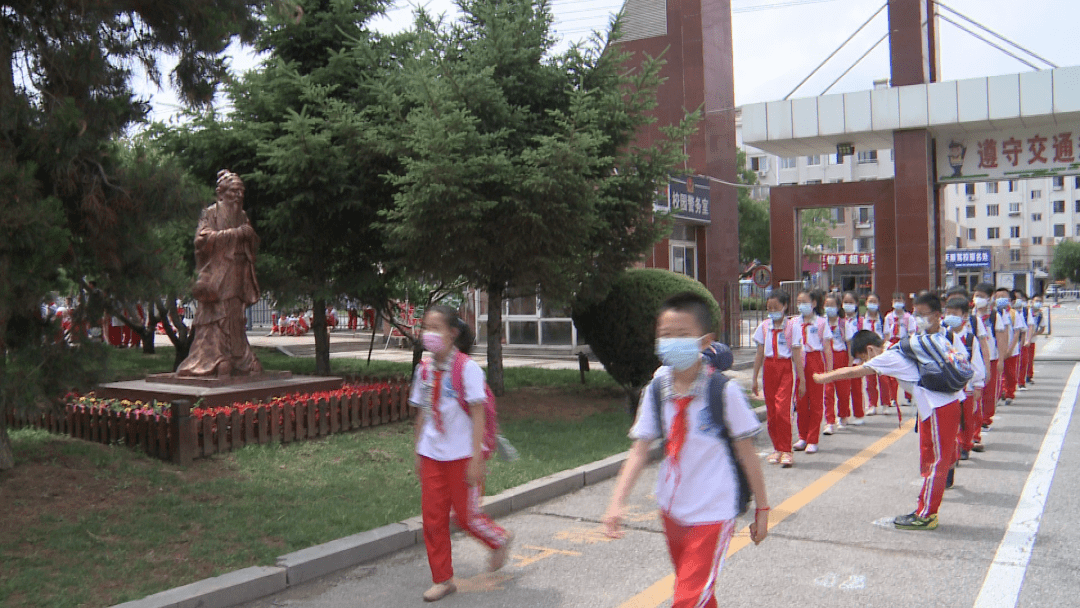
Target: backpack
[717, 382]
[492, 440]
[941, 368]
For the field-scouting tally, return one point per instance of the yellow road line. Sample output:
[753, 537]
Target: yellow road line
[662, 590]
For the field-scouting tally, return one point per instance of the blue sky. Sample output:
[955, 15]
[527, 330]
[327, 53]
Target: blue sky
[778, 42]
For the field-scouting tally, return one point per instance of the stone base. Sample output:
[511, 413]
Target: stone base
[216, 396]
[217, 381]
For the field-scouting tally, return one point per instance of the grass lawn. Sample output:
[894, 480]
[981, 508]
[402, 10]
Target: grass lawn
[91, 525]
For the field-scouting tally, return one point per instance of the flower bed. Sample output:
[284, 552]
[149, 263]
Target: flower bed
[179, 432]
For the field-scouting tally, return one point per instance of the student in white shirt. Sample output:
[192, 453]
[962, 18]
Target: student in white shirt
[899, 324]
[817, 357]
[838, 395]
[939, 413]
[850, 304]
[697, 485]
[877, 390]
[962, 333]
[778, 346]
[997, 333]
[1036, 327]
[1017, 328]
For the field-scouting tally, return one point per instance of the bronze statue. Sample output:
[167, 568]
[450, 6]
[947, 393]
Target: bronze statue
[225, 245]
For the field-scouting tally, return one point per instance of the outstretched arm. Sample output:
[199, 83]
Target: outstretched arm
[844, 373]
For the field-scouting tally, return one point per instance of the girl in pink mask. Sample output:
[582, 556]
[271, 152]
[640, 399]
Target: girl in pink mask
[449, 453]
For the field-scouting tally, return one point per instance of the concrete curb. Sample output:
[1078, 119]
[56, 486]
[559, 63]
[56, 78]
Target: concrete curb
[292, 569]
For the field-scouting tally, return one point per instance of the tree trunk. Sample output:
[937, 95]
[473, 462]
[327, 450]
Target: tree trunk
[7, 457]
[494, 339]
[322, 338]
[149, 332]
[179, 334]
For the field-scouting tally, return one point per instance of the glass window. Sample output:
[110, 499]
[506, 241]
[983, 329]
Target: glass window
[522, 332]
[869, 156]
[971, 234]
[1059, 183]
[1014, 208]
[1059, 206]
[1036, 194]
[1014, 255]
[525, 305]
[812, 161]
[969, 189]
[991, 187]
[788, 162]
[1036, 217]
[1012, 185]
[683, 261]
[1059, 229]
[992, 210]
[971, 211]
[838, 214]
[1014, 232]
[866, 215]
[557, 332]
[1036, 240]
[993, 233]
[838, 244]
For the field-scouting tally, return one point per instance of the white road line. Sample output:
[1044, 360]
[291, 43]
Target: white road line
[1001, 587]
[1051, 346]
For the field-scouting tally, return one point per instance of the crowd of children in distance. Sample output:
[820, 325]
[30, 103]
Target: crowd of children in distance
[816, 362]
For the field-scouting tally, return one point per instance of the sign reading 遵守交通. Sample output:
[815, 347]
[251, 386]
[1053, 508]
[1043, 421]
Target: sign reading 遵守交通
[1011, 153]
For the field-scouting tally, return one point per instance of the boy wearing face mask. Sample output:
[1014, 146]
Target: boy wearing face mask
[998, 331]
[939, 413]
[899, 324]
[1017, 327]
[961, 328]
[697, 485]
[1035, 328]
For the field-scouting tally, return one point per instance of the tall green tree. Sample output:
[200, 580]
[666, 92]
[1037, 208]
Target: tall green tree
[298, 134]
[65, 97]
[518, 170]
[753, 218]
[1066, 263]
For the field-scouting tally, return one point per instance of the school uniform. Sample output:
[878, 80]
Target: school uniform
[939, 421]
[875, 385]
[897, 327]
[778, 378]
[970, 414]
[810, 407]
[994, 322]
[855, 385]
[696, 485]
[1035, 323]
[445, 449]
[1012, 361]
[838, 394]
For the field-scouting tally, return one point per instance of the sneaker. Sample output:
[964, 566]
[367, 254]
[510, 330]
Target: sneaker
[799, 446]
[828, 430]
[498, 556]
[1008, 401]
[440, 590]
[858, 422]
[773, 458]
[1030, 381]
[841, 425]
[871, 411]
[912, 521]
[1022, 388]
[964, 454]
[950, 477]
[811, 448]
[978, 447]
[787, 460]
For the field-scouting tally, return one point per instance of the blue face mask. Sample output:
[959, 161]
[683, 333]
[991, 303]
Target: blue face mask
[1002, 303]
[1036, 305]
[872, 307]
[806, 309]
[679, 353]
[775, 315]
[832, 311]
[952, 321]
[898, 305]
[850, 308]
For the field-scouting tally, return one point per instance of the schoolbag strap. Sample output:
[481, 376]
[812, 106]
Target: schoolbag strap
[717, 383]
[658, 406]
[457, 378]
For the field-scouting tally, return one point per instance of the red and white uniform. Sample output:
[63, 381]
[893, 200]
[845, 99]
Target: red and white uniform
[1035, 323]
[993, 323]
[970, 414]
[696, 485]
[810, 407]
[897, 327]
[445, 449]
[778, 378]
[1017, 331]
[838, 394]
[939, 421]
[875, 385]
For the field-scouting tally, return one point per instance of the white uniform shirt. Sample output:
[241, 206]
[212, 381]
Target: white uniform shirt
[874, 324]
[1035, 323]
[784, 338]
[893, 363]
[702, 487]
[978, 379]
[1018, 325]
[1002, 324]
[840, 335]
[815, 333]
[455, 442]
[899, 326]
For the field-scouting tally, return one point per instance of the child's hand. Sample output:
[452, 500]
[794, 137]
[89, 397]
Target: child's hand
[760, 528]
[802, 388]
[475, 475]
[613, 520]
[754, 387]
[819, 378]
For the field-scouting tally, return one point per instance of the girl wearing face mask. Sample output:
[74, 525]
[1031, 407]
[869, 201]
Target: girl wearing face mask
[837, 395]
[875, 385]
[997, 339]
[1035, 327]
[1023, 311]
[961, 328]
[817, 357]
[899, 324]
[778, 344]
[449, 452]
[854, 320]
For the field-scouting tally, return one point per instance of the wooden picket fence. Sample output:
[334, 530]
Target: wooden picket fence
[181, 437]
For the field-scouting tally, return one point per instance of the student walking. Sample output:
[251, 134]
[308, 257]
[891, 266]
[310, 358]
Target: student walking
[899, 324]
[817, 357]
[838, 394]
[939, 412]
[962, 328]
[697, 486]
[1036, 327]
[1016, 331]
[450, 460]
[997, 332]
[855, 385]
[778, 347]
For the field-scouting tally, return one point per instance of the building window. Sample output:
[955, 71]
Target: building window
[969, 189]
[1036, 217]
[992, 210]
[1014, 208]
[1012, 185]
[1036, 263]
[1014, 255]
[991, 187]
[1014, 232]
[1059, 229]
[834, 159]
[995, 232]
[864, 244]
[1077, 208]
[1077, 230]
[813, 161]
[788, 162]
[971, 234]
[1036, 194]
[971, 211]
[838, 244]
[1059, 206]
[1059, 183]
[1076, 183]
[683, 258]
[1036, 240]
[759, 163]
[866, 215]
[838, 215]
[958, 243]
[870, 156]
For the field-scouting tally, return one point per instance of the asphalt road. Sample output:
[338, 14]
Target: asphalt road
[831, 541]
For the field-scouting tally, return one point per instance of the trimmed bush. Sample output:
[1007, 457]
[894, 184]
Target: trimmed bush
[621, 328]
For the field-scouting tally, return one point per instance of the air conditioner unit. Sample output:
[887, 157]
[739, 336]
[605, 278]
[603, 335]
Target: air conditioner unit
[762, 173]
[1058, 240]
[971, 197]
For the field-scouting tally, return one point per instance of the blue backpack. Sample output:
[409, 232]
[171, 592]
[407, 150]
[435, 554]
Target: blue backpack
[941, 368]
[717, 382]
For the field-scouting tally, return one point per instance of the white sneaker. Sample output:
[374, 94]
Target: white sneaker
[1022, 388]
[841, 423]
[871, 411]
[858, 422]
[811, 448]
[828, 430]
[799, 445]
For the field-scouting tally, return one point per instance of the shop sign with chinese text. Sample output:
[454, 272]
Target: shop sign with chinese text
[1009, 153]
[847, 259]
[688, 198]
[967, 258]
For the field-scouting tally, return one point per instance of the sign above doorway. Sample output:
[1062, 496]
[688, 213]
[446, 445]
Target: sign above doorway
[1009, 153]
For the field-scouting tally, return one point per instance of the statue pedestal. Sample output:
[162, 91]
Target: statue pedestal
[214, 391]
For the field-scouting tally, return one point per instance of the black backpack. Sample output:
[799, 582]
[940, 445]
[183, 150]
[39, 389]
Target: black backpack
[717, 382]
[941, 368]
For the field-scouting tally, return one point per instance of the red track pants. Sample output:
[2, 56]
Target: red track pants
[970, 423]
[1012, 368]
[778, 382]
[1030, 360]
[937, 454]
[838, 394]
[442, 487]
[698, 555]
[811, 406]
[990, 396]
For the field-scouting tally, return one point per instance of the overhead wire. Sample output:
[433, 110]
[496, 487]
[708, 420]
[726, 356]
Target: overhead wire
[990, 31]
[833, 54]
[996, 46]
[857, 61]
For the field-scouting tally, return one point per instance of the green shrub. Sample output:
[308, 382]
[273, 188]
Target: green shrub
[621, 328]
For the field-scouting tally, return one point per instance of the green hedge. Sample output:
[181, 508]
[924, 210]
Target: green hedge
[621, 328]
